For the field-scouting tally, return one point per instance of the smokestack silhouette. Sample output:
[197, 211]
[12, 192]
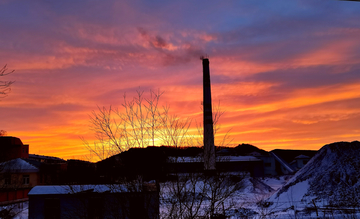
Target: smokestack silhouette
[209, 147]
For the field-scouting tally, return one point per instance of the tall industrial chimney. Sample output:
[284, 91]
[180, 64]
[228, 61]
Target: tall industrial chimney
[209, 147]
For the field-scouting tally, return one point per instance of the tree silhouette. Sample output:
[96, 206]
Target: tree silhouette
[3, 133]
[138, 123]
[5, 85]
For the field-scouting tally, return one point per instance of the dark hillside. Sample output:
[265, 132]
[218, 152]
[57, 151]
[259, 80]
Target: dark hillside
[245, 149]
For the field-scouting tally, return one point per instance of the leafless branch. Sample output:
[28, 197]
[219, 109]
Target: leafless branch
[5, 85]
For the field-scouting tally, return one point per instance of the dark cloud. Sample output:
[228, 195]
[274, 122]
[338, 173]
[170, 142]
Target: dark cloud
[309, 77]
[159, 42]
[185, 52]
[143, 32]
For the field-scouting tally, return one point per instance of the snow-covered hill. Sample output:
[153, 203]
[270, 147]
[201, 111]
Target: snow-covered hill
[330, 178]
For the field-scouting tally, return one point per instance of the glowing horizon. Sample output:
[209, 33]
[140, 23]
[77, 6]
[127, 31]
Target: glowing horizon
[287, 74]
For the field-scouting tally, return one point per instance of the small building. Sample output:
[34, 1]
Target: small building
[269, 164]
[249, 164]
[283, 162]
[12, 148]
[278, 161]
[46, 159]
[299, 161]
[94, 201]
[17, 177]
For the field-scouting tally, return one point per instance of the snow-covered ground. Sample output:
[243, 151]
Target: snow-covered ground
[328, 185]
[20, 209]
[245, 201]
[24, 214]
[239, 203]
[276, 182]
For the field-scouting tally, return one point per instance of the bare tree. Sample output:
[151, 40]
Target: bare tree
[5, 85]
[142, 122]
[226, 140]
[3, 133]
[174, 130]
[197, 195]
[138, 123]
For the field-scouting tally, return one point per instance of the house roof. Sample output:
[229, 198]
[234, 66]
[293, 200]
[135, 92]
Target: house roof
[36, 156]
[18, 165]
[302, 157]
[238, 158]
[218, 159]
[77, 189]
[185, 159]
[9, 140]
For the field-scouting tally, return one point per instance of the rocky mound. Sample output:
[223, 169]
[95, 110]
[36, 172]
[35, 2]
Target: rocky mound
[331, 177]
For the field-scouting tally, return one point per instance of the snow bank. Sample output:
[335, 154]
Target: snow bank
[70, 189]
[331, 177]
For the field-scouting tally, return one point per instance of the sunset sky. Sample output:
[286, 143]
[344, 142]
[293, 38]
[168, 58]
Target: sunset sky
[287, 73]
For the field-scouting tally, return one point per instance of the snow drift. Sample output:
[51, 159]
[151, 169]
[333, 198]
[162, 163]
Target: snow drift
[330, 178]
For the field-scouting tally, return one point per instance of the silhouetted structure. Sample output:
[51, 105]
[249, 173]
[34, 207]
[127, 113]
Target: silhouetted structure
[17, 177]
[290, 161]
[209, 147]
[159, 163]
[12, 148]
[147, 162]
[276, 162]
[234, 164]
[94, 201]
[46, 159]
